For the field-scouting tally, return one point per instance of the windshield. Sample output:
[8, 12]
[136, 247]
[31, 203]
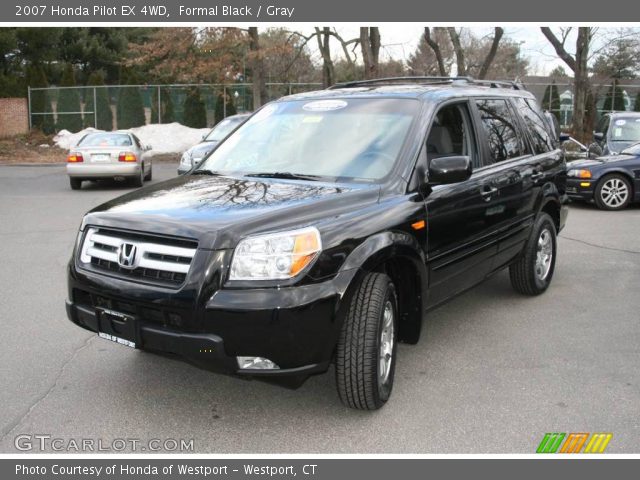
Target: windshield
[626, 129]
[632, 150]
[223, 128]
[105, 140]
[354, 138]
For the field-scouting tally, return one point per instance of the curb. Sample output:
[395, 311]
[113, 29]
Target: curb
[32, 164]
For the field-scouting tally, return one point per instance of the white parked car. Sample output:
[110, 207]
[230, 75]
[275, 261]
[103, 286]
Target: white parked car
[118, 155]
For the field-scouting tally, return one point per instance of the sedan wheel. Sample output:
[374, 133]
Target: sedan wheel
[613, 193]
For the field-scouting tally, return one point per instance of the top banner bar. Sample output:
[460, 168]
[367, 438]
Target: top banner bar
[318, 11]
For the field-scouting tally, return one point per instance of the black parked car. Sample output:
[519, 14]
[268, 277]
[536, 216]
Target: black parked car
[324, 228]
[612, 181]
[615, 132]
[194, 155]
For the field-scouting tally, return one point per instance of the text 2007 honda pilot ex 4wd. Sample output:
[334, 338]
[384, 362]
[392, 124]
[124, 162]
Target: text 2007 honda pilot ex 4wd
[322, 229]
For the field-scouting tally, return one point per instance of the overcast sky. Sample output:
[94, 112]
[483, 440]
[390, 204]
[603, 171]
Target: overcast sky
[400, 40]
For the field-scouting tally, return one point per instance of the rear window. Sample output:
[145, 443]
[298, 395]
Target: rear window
[106, 140]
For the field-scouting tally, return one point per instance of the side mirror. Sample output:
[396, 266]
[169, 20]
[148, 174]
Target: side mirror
[204, 135]
[564, 137]
[147, 148]
[446, 170]
[598, 136]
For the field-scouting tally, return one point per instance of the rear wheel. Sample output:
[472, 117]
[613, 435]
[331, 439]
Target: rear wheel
[532, 273]
[366, 352]
[138, 180]
[149, 173]
[613, 192]
[75, 183]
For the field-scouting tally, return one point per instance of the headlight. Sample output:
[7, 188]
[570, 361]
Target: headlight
[579, 173]
[275, 256]
[186, 159]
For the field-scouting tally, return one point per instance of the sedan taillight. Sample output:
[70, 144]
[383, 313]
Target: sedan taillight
[127, 157]
[75, 157]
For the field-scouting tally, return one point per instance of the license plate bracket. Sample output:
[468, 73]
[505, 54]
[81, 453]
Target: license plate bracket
[117, 327]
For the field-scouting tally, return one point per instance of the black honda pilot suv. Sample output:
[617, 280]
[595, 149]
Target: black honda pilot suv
[324, 228]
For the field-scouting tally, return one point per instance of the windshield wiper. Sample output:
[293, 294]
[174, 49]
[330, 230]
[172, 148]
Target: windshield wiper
[285, 175]
[204, 171]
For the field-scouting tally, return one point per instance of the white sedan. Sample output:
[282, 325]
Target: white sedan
[118, 155]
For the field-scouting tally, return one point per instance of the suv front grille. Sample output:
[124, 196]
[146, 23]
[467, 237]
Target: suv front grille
[159, 260]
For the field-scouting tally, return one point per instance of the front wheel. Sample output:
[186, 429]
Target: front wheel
[613, 192]
[366, 352]
[531, 274]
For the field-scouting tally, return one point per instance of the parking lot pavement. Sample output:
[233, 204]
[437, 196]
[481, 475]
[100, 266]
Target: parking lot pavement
[493, 372]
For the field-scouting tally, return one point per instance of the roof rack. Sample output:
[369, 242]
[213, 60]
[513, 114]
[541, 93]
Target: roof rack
[428, 81]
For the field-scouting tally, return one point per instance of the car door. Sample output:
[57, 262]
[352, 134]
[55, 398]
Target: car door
[459, 247]
[508, 176]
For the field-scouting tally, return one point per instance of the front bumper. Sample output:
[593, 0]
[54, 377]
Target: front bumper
[580, 188]
[103, 170]
[295, 327]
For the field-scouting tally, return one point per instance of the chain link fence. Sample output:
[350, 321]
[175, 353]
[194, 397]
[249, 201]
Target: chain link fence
[126, 106]
[556, 96]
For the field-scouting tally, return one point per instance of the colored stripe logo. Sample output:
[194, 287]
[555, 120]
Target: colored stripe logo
[574, 442]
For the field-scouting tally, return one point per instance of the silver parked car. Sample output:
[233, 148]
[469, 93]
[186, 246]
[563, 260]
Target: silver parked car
[118, 155]
[195, 154]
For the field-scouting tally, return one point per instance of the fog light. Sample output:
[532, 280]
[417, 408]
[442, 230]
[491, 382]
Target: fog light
[256, 363]
[585, 184]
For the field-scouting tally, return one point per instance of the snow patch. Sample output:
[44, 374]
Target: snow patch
[163, 138]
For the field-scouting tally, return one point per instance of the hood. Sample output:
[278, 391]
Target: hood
[202, 149]
[218, 211]
[583, 163]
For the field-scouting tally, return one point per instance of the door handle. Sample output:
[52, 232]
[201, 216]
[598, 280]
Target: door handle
[536, 175]
[487, 192]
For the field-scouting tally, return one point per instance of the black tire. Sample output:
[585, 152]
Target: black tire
[605, 202]
[75, 183]
[138, 180]
[149, 175]
[526, 276]
[360, 379]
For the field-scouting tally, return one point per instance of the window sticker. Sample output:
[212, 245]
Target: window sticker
[312, 119]
[617, 132]
[620, 122]
[324, 105]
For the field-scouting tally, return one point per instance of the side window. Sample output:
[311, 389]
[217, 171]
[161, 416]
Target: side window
[536, 125]
[452, 134]
[603, 125]
[501, 129]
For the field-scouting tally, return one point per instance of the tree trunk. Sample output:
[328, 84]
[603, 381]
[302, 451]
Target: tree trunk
[459, 51]
[492, 53]
[370, 45]
[328, 72]
[436, 51]
[259, 87]
[578, 64]
[581, 88]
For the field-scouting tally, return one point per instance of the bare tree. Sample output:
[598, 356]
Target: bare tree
[459, 51]
[497, 35]
[577, 62]
[328, 70]
[259, 87]
[442, 69]
[370, 45]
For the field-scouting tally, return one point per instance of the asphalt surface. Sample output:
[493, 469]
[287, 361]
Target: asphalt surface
[493, 372]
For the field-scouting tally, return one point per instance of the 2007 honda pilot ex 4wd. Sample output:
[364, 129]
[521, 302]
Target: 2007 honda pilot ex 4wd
[321, 230]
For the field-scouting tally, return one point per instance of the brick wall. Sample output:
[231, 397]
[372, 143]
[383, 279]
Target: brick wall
[14, 117]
